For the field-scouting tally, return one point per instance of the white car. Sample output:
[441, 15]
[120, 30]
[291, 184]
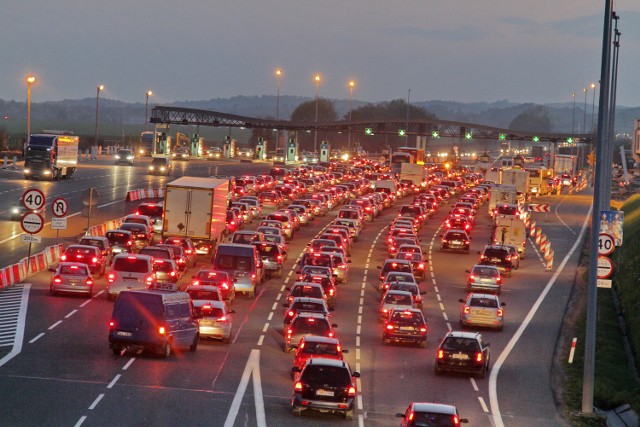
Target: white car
[215, 319]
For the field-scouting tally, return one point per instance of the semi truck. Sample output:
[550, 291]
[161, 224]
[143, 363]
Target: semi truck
[51, 156]
[196, 207]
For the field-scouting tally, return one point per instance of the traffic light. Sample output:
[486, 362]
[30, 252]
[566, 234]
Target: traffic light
[368, 131]
[435, 134]
[570, 140]
[502, 137]
[536, 139]
[468, 135]
[402, 132]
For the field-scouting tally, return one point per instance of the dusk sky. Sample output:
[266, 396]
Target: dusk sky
[537, 51]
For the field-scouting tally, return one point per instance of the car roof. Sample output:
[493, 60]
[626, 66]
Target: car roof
[327, 362]
[308, 299]
[438, 408]
[463, 334]
[319, 338]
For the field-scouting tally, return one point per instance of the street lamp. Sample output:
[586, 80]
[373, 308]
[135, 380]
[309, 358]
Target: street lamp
[146, 109]
[279, 73]
[315, 134]
[573, 119]
[407, 129]
[31, 79]
[98, 89]
[584, 120]
[352, 84]
[593, 105]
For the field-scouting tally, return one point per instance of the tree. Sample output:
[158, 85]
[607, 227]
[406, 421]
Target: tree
[533, 119]
[306, 112]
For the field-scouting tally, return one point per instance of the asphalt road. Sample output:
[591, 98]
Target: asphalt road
[65, 374]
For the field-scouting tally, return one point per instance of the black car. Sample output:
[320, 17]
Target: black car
[464, 352]
[406, 326]
[124, 156]
[499, 256]
[160, 166]
[455, 240]
[326, 385]
[272, 257]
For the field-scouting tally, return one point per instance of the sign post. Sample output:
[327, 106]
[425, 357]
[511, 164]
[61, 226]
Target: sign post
[59, 209]
[31, 223]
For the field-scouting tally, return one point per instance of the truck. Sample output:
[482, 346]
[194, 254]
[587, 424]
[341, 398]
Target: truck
[51, 155]
[539, 180]
[492, 175]
[196, 207]
[502, 193]
[510, 231]
[564, 163]
[518, 177]
[415, 173]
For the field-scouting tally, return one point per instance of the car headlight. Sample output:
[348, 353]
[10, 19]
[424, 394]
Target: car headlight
[15, 210]
[117, 157]
[162, 168]
[150, 168]
[129, 157]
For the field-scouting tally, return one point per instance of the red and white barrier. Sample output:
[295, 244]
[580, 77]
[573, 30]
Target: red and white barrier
[26, 267]
[145, 193]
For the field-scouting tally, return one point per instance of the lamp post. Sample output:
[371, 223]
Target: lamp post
[584, 120]
[31, 79]
[315, 133]
[98, 89]
[146, 109]
[593, 105]
[406, 132]
[352, 84]
[279, 73]
[573, 119]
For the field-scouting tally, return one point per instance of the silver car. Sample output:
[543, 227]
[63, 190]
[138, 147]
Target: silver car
[395, 300]
[341, 270]
[482, 310]
[484, 278]
[215, 319]
[72, 277]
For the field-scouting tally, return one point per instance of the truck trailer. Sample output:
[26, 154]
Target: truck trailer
[51, 156]
[196, 207]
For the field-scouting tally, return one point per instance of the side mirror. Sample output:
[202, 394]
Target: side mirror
[467, 271]
[287, 289]
[355, 374]
[399, 415]
[295, 368]
[379, 267]
[334, 325]
[231, 311]
[53, 270]
[193, 277]
[285, 305]
[461, 300]
[345, 351]
[502, 304]
[478, 252]
[423, 292]
[349, 262]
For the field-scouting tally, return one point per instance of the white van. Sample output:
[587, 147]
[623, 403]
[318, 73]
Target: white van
[130, 272]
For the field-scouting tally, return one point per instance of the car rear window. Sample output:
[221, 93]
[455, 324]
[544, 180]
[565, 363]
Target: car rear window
[320, 348]
[234, 262]
[92, 242]
[456, 235]
[310, 325]
[459, 343]
[156, 253]
[484, 302]
[507, 210]
[407, 317]
[115, 237]
[316, 375]
[199, 294]
[433, 419]
[208, 311]
[150, 210]
[131, 265]
[495, 253]
[306, 291]
[396, 299]
[80, 270]
[129, 306]
[81, 251]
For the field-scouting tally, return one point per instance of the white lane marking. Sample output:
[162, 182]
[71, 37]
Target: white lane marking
[484, 405]
[22, 317]
[358, 341]
[98, 294]
[266, 326]
[55, 324]
[274, 306]
[449, 326]
[95, 402]
[71, 314]
[36, 338]
[435, 288]
[252, 367]
[260, 340]
[438, 297]
[358, 329]
[270, 316]
[359, 400]
[493, 377]
[357, 354]
[85, 303]
[360, 420]
[126, 366]
[446, 318]
[360, 310]
[359, 320]
[441, 306]
[473, 384]
[80, 421]
[278, 297]
[114, 381]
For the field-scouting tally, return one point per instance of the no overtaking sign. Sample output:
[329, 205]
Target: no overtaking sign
[32, 223]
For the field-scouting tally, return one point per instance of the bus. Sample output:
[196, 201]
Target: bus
[146, 143]
[539, 179]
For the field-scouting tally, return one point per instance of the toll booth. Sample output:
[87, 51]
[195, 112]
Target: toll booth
[261, 149]
[196, 144]
[161, 144]
[292, 151]
[229, 148]
[325, 151]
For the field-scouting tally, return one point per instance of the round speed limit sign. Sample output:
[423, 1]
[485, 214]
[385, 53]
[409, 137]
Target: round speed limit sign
[606, 244]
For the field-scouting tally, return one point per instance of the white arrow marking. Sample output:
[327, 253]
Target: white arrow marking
[252, 367]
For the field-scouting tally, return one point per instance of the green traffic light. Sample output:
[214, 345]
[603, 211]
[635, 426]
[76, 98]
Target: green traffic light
[570, 140]
[402, 132]
[435, 134]
[467, 135]
[536, 139]
[502, 137]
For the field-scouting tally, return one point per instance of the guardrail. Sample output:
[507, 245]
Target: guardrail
[29, 266]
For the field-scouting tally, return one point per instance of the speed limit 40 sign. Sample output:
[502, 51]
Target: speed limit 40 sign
[33, 199]
[606, 244]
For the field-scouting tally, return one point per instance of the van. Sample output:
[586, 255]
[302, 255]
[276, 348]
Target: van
[129, 271]
[243, 265]
[153, 320]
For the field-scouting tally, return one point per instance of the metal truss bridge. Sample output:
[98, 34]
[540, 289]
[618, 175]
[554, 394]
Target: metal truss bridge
[423, 127]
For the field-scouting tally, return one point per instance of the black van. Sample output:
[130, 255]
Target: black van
[153, 320]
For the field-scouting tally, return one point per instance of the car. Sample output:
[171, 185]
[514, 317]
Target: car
[178, 255]
[71, 277]
[340, 262]
[304, 304]
[100, 242]
[190, 250]
[166, 273]
[215, 319]
[455, 240]
[153, 211]
[431, 414]
[18, 210]
[485, 278]
[394, 264]
[214, 153]
[160, 166]
[124, 156]
[181, 153]
[130, 271]
[234, 221]
[515, 256]
[463, 352]
[121, 241]
[395, 277]
[140, 232]
[405, 325]
[409, 253]
[92, 256]
[328, 286]
[220, 279]
[313, 346]
[326, 385]
[498, 256]
[482, 310]
[272, 258]
[307, 323]
[411, 287]
[394, 300]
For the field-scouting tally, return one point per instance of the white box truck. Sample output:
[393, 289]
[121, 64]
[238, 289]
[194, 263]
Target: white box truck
[510, 231]
[502, 193]
[196, 207]
[414, 173]
[517, 177]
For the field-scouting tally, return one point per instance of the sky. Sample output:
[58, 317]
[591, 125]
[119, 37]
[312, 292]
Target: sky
[539, 51]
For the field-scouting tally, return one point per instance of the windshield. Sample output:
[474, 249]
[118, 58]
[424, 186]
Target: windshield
[233, 262]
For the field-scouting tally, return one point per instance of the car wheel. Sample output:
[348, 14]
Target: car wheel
[423, 344]
[90, 294]
[116, 350]
[483, 373]
[348, 415]
[386, 340]
[165, 351]
[52, 292]
[194, 346]
[296, 411]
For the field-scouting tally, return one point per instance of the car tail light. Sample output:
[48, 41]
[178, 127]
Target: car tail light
[390, 327]
[331, 292]
[466, 242]
[89, 282]
[188, 251]
[508, 258]
[330, 334]
[479, 357]
[111, 277]
[149, 279]
[172, 274]
[456, 420]
[351, 391]
[440, 354]
[112, 324]
[423, 329]
[222, 319]
[499, 279]
[162, 330]
[500, 312]
[289, 332]
[472, 277]
[57, 279]
[129, 242]
[421, 266]
[467, 309]
[298, 386]
[63, 258]
[253, 276]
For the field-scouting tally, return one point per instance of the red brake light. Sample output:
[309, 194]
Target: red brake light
[440, 354]
[222, 319]
[479, 357]
[390, 327]
[298, 386]
[63, 258]
[57, 279]
[162, 330]
[112, 324]
[467, 309]
[351, 391]
[500, 312]
[111, 277]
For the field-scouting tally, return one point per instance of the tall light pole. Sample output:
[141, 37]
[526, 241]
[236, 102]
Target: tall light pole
[593, 105]
[573, 120]
[315, 133]
[98, 89]
[584, 120]
[352, 84]
[406, 132]
[279, 73]
[31, 79]
[146, 109]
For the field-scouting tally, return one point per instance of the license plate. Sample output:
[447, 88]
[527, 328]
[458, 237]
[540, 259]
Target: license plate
[124, 334]
[165, 286]
[495, 259]
[406, 328]
[130, 279]
[456, 242]
[460, 356]
[325, 393]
